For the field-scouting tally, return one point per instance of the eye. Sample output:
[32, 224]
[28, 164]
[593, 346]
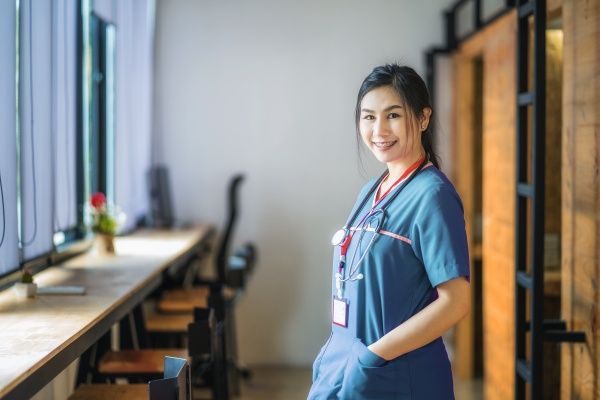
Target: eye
[393, 115]
[369, 117]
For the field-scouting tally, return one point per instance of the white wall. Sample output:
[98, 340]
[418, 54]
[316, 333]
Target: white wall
[267, 87]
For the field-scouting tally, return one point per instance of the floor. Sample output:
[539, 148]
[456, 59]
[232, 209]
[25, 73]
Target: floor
[287, 383]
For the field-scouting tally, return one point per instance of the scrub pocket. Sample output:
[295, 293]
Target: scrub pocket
[368, 376]
[317, 363]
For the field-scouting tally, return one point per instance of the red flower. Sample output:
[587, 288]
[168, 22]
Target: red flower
[98, 200]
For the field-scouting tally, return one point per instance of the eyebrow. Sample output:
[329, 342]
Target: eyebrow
[387, 109]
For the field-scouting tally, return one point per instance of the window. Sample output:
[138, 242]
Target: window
[61, 137]
[101, 144]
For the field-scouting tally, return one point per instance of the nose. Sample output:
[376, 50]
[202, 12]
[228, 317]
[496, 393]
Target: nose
[380, 127]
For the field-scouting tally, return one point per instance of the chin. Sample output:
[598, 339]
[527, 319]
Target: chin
[385, 158]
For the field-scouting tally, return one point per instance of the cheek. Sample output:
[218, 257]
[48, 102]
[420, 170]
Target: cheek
[399, 126]
[365, 134]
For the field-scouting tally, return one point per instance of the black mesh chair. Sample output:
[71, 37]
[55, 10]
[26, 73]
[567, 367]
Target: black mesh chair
[232, 272]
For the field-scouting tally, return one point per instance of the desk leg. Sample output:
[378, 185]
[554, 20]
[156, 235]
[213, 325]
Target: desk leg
[88, 362]
[132, 332]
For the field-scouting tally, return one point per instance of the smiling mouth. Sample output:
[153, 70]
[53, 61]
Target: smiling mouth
[384, 145]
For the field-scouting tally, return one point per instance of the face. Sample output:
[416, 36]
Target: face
[388, 128]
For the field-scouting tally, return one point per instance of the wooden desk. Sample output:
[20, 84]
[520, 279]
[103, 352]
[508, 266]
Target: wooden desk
[40, 337]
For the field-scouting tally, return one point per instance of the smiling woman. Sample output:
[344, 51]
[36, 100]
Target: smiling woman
[401, 263]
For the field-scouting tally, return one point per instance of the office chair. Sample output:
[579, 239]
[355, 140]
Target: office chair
[173, 320]
[204, 349]
[232, 275]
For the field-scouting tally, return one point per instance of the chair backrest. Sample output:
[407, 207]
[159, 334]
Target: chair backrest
[200, 332]
[176, 383]
[232, 212]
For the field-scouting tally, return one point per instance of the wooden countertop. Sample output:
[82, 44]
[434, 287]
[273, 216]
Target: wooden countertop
[40, 337]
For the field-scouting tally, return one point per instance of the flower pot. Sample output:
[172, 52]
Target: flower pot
[25, 290]
[105, 244]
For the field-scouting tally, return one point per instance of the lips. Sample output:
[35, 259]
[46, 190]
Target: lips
[384, 145]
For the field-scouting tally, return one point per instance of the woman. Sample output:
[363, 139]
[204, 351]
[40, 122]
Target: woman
[401, 265]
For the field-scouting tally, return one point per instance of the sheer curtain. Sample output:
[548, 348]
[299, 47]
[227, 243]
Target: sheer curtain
[64, 146]
[35, 102]
[9, 247]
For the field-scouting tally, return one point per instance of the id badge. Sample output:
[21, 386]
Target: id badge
[340, 311]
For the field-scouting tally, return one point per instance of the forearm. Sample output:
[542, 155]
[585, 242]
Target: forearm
[427, 325]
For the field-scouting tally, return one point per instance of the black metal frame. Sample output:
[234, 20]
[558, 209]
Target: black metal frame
[79, 159]
[98, 112]
[532, 193]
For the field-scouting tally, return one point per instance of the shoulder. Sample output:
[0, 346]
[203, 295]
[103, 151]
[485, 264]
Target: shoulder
[433, 188]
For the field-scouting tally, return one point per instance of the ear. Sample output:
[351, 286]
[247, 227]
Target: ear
[424, 118]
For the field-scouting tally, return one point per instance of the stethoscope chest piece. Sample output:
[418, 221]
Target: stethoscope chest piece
[338, 237]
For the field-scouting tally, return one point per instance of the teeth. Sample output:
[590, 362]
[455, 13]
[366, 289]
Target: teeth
[383, 145]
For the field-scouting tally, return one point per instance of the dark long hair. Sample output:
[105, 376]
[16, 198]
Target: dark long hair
[411, 88]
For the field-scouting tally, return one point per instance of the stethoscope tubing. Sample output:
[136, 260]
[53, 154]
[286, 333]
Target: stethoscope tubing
[353, 268]
[363, 230]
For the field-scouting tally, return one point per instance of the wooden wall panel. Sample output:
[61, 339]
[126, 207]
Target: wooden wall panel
[463, 363]
[580, 378]
[499, 210]
[495, 45]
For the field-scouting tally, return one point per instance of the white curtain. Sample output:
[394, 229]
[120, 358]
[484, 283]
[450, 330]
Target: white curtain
[9, 248]
[64, 76]
[134, 21]
[35, 92]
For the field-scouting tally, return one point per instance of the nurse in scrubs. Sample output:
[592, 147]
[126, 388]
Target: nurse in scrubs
[401, 264]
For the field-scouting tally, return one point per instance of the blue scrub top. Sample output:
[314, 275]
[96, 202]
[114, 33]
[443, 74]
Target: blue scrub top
[422, 243]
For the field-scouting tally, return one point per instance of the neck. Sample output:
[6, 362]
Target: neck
[397, 167]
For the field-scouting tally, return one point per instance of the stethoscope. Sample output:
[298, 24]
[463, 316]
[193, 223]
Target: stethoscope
[344, 236]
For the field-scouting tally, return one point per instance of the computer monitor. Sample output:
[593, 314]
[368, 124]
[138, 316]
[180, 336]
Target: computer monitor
[176, 383]
[159, 191]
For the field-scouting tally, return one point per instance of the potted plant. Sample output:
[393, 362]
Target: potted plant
[104, 224]
[25, 287]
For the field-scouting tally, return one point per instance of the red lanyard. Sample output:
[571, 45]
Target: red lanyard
[404, 175]
[346, 243]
